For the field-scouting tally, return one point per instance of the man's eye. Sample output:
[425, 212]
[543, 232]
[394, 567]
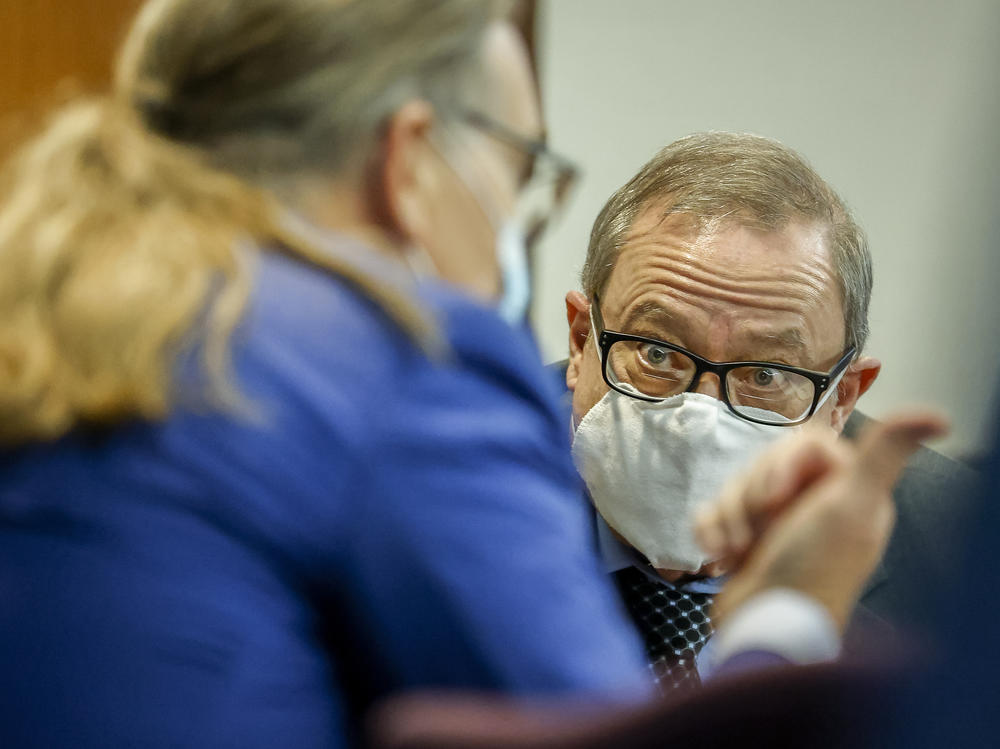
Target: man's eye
[657, 355]
[765, 377]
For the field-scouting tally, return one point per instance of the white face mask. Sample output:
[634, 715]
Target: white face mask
[649, 466]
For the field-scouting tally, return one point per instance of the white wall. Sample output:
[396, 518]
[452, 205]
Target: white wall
[895, 103]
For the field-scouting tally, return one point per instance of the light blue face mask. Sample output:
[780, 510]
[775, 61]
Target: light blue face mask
[512, 258]
[515, 274]
[511, 252]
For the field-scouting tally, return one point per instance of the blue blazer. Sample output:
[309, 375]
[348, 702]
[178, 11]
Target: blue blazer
[383, 523]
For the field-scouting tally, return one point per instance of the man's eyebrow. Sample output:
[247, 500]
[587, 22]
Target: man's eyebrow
[649, 312]
[661, 318]
[787, 338]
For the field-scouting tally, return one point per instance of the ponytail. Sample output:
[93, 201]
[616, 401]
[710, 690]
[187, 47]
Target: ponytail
[119, 249]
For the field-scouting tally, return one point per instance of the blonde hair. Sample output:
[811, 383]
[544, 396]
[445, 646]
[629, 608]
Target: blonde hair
[120, 226]
[745, 179]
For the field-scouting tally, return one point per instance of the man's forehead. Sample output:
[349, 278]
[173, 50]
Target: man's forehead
[730, 246]
[662, 219]
[783, 331]
[774, 334]
[772, 289]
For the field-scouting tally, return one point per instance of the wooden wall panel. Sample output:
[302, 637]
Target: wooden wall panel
[47, 44]
[50, 49]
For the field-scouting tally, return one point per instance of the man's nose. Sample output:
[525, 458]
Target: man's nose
[709, 384]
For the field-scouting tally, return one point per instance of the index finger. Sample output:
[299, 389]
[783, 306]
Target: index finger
[884, 447]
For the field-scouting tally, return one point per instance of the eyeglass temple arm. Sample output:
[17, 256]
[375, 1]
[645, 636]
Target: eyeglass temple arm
[844, 364]
[595, 334]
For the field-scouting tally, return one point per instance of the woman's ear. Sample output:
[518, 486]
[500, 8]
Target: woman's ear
[403, 180]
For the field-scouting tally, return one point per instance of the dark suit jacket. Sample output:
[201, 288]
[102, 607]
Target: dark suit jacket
[934, 498]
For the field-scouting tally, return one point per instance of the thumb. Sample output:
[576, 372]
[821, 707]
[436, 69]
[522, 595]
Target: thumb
[884, 447]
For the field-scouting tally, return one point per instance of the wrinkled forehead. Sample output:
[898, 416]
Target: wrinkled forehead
[775, 244]
[697, 215]
[732, 273]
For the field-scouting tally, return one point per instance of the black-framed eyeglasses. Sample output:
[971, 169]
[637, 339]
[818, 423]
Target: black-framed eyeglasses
[546, 182]
[756, 391]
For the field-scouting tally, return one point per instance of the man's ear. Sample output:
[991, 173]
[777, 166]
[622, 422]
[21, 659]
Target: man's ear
[402, 179]
[859, 377]
[578, 317]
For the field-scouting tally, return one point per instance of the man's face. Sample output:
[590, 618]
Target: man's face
[733, 294]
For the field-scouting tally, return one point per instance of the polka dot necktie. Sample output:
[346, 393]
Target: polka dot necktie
[675, 625]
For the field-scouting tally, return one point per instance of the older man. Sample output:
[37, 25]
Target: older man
[726, 299]
[404, 512]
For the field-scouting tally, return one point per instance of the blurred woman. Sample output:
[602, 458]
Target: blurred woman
[274, 440]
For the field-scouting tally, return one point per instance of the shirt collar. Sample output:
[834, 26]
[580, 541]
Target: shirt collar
[617, 556]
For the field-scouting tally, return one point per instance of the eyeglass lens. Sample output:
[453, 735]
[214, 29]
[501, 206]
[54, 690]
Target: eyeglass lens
[759, 392]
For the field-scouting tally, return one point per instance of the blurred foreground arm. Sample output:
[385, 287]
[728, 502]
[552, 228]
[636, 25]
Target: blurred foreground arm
[810, 522]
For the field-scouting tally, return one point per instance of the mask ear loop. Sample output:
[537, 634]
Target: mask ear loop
[593, 330]
[510, 249]
[472, 179]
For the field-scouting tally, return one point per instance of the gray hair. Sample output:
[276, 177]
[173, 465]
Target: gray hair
[140, 231]
[744, 179]
[283, 88]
